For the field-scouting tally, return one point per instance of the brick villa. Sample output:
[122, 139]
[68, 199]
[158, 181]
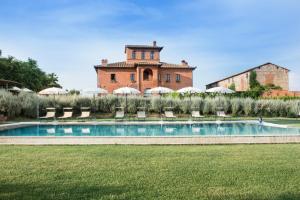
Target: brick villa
[267, 73]
[143, 70]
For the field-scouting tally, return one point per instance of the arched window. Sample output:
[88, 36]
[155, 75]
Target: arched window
[147, 75]
[133, 56]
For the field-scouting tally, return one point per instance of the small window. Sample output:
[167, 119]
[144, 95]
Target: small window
[178, 77]
[113, 78]
[133, 56]
[152, 55]
[132, 77]
[159, 77]
[168, 78]
[143, 55]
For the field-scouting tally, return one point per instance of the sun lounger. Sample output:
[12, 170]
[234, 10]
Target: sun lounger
[141, 115]
[85, 113]
[68, 113]
[50, 113]
[120, 114]
[196, 114]
[169, 114]
[222, 114]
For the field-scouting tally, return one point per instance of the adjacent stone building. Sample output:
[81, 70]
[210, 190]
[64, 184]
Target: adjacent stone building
[267, 73]
[143, 70]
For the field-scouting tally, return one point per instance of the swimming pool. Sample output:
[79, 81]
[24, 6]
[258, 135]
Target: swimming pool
[152, 130]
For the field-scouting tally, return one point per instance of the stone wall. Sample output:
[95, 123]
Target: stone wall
[266, 74]
[280, 93]
[241, 82]
[272, 74]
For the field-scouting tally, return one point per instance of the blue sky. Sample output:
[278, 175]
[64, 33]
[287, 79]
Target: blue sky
[220, 37]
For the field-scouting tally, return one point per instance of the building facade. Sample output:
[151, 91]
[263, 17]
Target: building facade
[143, 70]
[267, 73]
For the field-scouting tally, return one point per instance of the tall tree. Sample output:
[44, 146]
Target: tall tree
[27, 73]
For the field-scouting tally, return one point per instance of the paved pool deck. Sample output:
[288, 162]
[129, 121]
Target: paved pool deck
[141, 140]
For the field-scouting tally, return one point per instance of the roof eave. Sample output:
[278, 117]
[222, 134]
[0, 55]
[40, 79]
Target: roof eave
[132, 47]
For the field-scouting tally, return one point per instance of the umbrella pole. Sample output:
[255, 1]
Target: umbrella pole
[54, 105]
[190, 104]
[38, 109]
[160, 105]
[125, 103]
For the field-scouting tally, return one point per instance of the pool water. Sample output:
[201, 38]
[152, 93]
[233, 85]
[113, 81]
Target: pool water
[211, 129]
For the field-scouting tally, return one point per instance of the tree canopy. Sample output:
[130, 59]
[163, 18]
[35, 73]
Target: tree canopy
[27, 73]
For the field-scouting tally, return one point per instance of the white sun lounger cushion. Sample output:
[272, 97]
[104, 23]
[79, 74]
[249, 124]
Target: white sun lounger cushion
[169, 114]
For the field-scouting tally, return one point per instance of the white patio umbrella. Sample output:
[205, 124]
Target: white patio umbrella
[53, 91]
[26, 90]
[93, 92]
[190, 91]
[160, 91]
[221, 90]
[126, 91]
[15, 89]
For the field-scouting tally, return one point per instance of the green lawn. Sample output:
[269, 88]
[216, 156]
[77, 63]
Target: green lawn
[150, 172]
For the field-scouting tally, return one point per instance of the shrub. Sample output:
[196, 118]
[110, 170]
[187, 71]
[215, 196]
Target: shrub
[29, 105]
[248, 106]
[236, 106]
[10, 105]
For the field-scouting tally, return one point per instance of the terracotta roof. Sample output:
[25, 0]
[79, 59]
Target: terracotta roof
[248, 70]
[117, 64]
[126, 65]
[170, 65]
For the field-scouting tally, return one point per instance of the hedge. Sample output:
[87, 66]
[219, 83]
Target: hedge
[26, 104]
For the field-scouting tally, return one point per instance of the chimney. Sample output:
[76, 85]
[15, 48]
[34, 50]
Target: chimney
[154, 43]
[184, 63]
[104, 62]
